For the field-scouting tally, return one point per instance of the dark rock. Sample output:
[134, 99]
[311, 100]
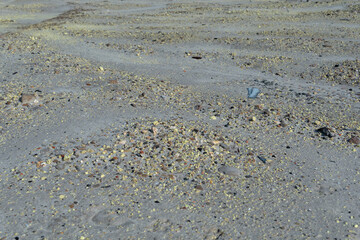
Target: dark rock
[266, 112]
[325, 132]
[262, 159]
[224, 146]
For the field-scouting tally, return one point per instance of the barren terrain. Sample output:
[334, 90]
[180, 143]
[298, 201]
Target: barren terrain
[131, 119]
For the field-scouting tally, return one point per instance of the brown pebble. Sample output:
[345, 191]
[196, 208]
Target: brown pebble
[30, 99]
[199, 187]
[354, 140]
[113, 82]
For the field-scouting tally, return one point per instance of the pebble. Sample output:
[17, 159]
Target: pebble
[199, 187]
[113, 82]
[354, 140]
[283, 123]
[165, 97]
[60, 166]
[231, 171]
[253, 92]
[266, 112]
[325, 132]
[198, 107]
[224, 146]
[31, 99]
[262, 159]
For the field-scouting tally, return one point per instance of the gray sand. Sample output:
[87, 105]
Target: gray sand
[130, 120]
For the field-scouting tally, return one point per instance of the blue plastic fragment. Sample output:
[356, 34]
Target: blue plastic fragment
[253, 92]
[262, 159]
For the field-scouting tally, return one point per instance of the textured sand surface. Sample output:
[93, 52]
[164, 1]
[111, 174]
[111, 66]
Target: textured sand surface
[131, 119]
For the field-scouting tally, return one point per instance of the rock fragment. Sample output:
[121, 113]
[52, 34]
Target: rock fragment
[253, 92]
[262, 159]
[354, 140]
[30, 99]
[325, 132]
[231, 171]
[199, 187]
[113, 82]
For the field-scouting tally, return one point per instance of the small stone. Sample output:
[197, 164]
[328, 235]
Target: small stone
[325, 132]
[253, 92]
[266, 112]
[60, 166]
[224, 146]
[164, 97]
[354, 140]
[262, 159]
[231, 171]
[283, 123]
[199, 187]
[113, 81]
[30, 99]
[198, 107]
[252, 119]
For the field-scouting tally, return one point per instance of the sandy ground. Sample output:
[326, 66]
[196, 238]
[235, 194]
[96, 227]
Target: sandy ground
[131, 120]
